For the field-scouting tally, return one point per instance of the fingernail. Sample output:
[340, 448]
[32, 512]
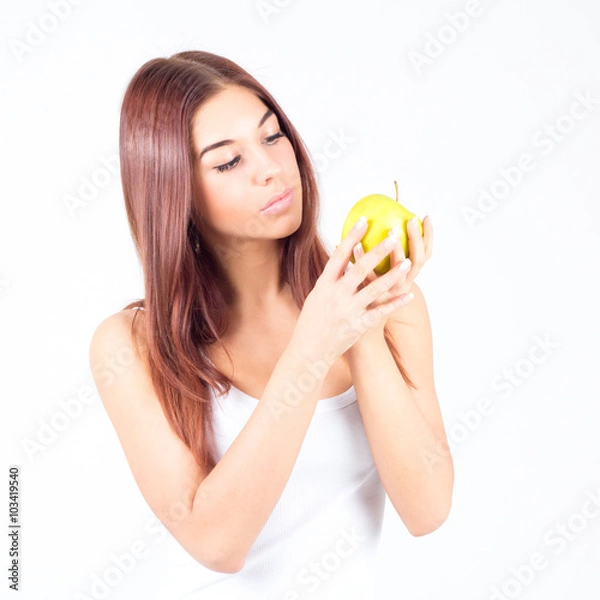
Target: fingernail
[413, 222]
[391, 241]
[405, 265]
[404, 299]
[362, 222]
[393, 232]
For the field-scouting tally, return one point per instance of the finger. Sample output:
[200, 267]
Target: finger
[397, 255]
[404, 280]
[416, 249]
[358, 254]
[373, 316]
[369, 261]
[383, 284]
[338, 261]
[428, 237]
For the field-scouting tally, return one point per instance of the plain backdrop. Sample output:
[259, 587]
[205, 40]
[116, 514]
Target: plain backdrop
[488, 116]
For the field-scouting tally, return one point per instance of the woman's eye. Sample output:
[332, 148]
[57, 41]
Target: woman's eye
[274, 137]
[271, 140]
[228, 166]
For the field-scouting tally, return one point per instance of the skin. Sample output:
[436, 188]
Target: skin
[248, 242]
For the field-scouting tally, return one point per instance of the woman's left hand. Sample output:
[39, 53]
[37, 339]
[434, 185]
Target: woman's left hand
[419, 250]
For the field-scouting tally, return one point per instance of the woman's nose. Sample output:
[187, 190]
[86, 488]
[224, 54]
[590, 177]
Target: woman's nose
[266, 166]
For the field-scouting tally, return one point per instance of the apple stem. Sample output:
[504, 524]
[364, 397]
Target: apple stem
[396, 185]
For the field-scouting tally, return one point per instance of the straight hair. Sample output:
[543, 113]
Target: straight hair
[185, 308]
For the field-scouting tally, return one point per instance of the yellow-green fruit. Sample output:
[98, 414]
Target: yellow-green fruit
[382, 213]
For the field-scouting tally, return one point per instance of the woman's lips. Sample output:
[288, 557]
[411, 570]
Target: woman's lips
[280, 204]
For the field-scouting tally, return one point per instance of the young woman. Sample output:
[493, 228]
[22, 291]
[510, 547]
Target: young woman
[266, 395]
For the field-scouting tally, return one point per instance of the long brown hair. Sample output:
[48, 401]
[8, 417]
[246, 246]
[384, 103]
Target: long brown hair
[185, 308]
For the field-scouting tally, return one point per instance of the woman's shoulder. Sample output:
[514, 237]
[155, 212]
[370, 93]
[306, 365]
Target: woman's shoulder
[125, 316]
[119, 331]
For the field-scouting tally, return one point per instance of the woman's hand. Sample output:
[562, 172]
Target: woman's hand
[348, 300]
[419, 249]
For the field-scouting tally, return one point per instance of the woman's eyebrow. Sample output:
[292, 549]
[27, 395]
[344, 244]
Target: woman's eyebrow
[225, 142]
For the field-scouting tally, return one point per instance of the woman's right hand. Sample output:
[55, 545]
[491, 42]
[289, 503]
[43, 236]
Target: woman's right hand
[334, 314]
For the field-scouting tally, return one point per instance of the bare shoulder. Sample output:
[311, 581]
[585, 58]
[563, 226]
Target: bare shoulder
[117, 341]
[163, 467]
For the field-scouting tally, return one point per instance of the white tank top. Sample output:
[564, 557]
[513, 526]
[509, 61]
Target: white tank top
[321, 539]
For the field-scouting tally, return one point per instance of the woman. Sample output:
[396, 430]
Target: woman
[267, 409]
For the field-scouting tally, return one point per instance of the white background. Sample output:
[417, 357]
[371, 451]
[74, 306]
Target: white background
[527, 268]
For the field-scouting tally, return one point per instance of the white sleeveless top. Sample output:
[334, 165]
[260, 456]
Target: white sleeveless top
[321, 539]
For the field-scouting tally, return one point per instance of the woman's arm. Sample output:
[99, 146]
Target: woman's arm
[404, 426]
[216, 516]
[246, 484]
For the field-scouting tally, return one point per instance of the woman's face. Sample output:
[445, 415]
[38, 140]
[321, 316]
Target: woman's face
[238, 178]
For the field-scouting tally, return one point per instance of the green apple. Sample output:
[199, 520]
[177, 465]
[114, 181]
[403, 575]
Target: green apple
[382, 213]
